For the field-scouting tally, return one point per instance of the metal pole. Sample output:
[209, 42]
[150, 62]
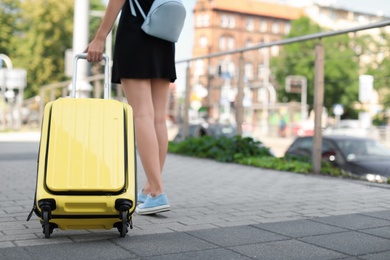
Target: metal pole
[42, 98]
[80, 38]
[187, 103]
[304, 99]
[81, 32]
[266, 82]
[209, 89]
[318, 106]
[240, 94]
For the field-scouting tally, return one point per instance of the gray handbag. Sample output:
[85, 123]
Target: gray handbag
[165, 19]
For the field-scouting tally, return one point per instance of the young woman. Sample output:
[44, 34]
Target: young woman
[145, 67]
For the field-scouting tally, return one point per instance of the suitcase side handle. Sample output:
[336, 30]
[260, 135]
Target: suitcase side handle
[107, 94]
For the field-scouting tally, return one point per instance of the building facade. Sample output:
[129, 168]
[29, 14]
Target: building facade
[338, 18]
[226, 25]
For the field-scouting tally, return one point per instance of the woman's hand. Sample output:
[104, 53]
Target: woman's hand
[95, 50]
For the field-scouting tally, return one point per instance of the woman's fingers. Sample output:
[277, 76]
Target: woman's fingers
[93, 56]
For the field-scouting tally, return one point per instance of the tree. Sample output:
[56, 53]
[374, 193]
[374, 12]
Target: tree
[44, 32]
[341, 69]
[47, 27]
[9, 12]
[379, 51]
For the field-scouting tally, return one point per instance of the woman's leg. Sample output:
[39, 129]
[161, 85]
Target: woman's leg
[140, 97]
[160, 90]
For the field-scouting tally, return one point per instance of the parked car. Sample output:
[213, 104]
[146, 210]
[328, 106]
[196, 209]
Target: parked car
[222, 130]
[216, 130]
[194, 130]
[360, 156]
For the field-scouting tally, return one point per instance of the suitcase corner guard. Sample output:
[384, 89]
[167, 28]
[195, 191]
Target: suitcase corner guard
[123, 204]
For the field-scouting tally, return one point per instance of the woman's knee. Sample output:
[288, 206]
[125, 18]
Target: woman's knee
[160, 120]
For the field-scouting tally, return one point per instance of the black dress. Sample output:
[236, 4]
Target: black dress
[138, 55]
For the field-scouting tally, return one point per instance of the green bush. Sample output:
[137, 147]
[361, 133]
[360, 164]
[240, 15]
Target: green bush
[246, 151]
[221, 149]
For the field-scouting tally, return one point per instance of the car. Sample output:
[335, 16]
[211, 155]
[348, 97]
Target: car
[201, 128]
[364, 157]
[222, 130]
[194, 130]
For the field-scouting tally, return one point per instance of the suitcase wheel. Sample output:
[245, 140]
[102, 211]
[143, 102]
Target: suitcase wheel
[123, 206]
[122, 228]
[47, 227]
[47, 206]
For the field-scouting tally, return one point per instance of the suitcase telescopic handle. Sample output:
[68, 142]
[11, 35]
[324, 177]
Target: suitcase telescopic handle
[106, 74]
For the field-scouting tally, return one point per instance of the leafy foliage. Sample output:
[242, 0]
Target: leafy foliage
[47, 27]
[341, 66]
[380, 68]
[36, 33]
[221, 149]
[9, 14]
[245, 151]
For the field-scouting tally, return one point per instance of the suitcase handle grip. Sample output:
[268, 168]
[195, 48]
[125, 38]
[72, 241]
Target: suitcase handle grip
[107, 93]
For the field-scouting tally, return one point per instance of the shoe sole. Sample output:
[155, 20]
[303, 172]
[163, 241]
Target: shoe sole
[153, 210]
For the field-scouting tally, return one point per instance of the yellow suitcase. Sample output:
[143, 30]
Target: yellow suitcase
[86, 165]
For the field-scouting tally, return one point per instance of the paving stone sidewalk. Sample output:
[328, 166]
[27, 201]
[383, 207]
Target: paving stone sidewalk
[219, 211]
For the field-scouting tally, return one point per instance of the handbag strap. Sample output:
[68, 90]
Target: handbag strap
[132, 9]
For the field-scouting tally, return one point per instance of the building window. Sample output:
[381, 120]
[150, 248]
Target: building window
[342, 15]
[260, 71]
[231, 68]
[226, 68]
[332, 15]
[228, 21]
[199, 68]
[263, 25]
[230, 43]
[232, 22]
[222, 43]
[275, 51]
[362, 19]
[249, 71]
[203, 41]
[264, 51]
[287, 28]
[226, 42]
[224, 21]
[275, 27]
[203, 20]
[250, 25]
[248, 43]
